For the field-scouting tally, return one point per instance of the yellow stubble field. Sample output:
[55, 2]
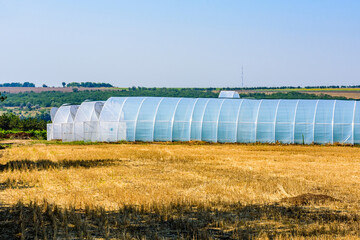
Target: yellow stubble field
[231, 191]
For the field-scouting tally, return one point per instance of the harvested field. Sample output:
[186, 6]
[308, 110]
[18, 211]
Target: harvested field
[348, 93]
[188, 190]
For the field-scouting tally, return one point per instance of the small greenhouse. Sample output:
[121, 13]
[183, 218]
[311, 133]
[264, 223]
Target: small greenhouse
[86, 121]
[62, 126]
[226, 119]
[229, 94]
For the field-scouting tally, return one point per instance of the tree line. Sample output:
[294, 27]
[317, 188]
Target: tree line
[33, 100]
[55, 99]
[11, 121]
[72, 84]
[17, 84]
[88, 84]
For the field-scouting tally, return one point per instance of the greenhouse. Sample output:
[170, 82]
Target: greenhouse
[62, 126]
[209, 119]
[86, 121]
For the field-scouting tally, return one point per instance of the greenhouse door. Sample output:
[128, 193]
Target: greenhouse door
[67, 132]
[56, 131]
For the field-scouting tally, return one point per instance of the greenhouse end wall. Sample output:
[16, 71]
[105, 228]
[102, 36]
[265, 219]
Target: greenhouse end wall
[216, 120]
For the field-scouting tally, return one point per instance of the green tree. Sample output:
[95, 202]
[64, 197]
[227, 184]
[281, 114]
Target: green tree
[2, 98]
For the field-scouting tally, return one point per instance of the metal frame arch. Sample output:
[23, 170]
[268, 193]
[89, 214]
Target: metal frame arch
[316, 106]
[332, 123]
[237, 121]
[275, 119]
[156, 111]
[137, 116]
[353, 124]
[256, 120]
[202, 118]
[119, 117]
[217, 121]
[191, 118]
[78, 112]
[122, 107]
[173, 118]
[296, 108]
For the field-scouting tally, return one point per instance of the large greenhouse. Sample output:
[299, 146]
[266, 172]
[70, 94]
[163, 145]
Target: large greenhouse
[224, 119]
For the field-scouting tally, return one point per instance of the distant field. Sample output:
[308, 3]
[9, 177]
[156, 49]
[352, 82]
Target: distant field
[347, 94]
[160, 190]
[353, 93]
[24, 112]
[310, 90]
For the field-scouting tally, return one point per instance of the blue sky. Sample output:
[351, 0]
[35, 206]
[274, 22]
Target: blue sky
[181, 43]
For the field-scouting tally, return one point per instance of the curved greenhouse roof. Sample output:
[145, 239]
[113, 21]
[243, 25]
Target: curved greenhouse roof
[229, 94]
[62, 126]
[228, 120]
[65, 114]
[89, 111]
[86, 121]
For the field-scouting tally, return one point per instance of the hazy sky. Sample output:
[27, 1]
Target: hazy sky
[187, 43]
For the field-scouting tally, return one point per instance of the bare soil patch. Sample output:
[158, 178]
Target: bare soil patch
[18, 135]
[309, 198]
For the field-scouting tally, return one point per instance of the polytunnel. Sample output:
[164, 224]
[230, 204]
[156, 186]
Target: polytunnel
[227, 120]
[86, 121]
[229, 94]
[62, 124]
